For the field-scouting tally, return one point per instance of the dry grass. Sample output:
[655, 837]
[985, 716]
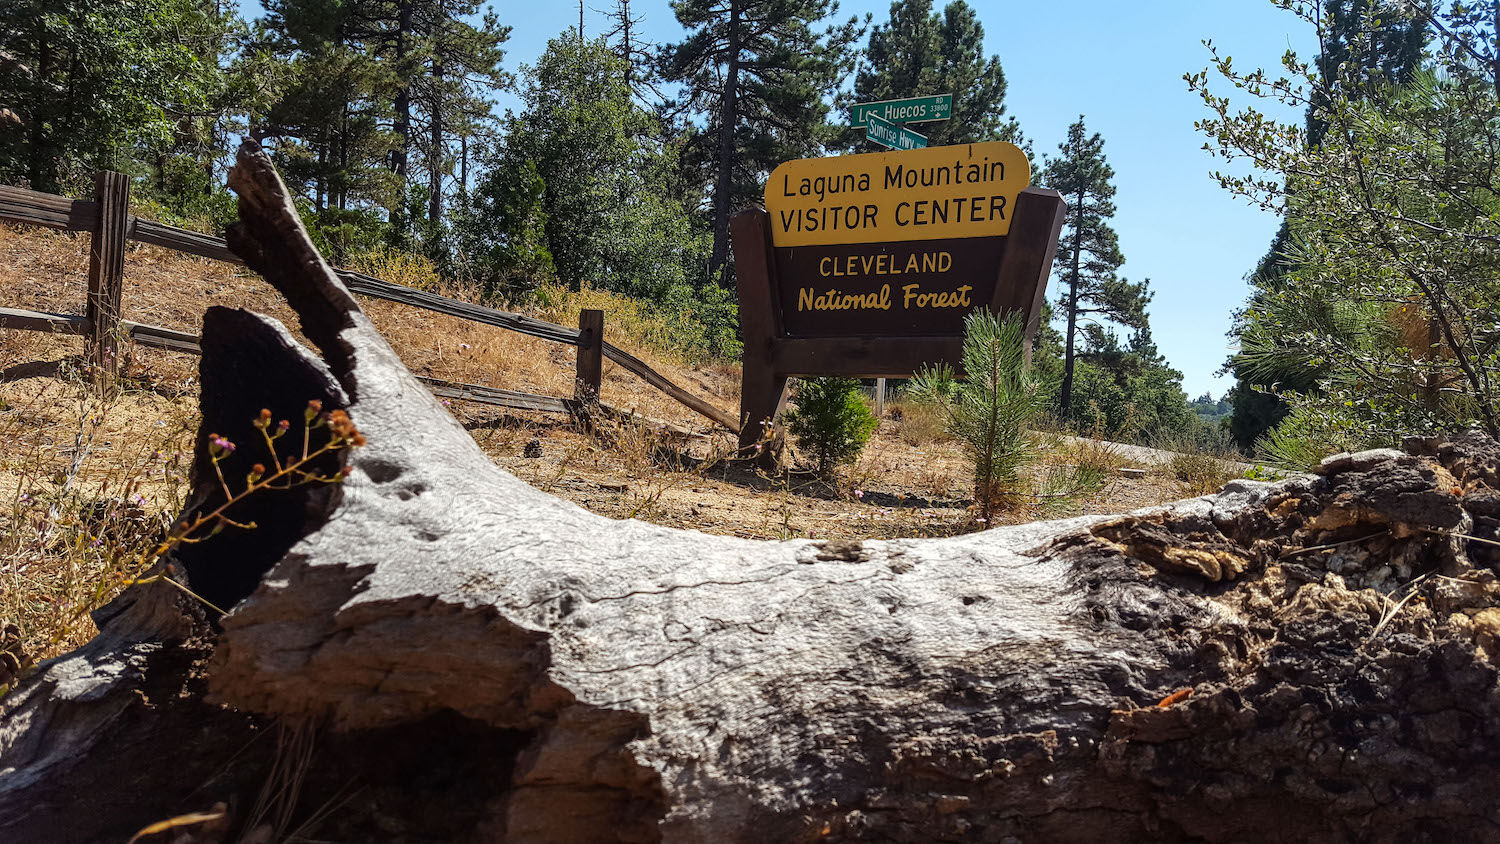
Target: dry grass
[919, 424]
[46, 271]
[1201, 474]
[1201, 469]
[86, 485]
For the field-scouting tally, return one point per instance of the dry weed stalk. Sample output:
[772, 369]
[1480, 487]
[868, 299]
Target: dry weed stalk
[127, 566]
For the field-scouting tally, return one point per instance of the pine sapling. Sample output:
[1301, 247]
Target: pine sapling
[992, 410]
[831, 420]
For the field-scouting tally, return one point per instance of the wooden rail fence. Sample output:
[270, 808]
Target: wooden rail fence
[107, 219]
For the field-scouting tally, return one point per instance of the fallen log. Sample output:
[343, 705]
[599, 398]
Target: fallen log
[434, 650]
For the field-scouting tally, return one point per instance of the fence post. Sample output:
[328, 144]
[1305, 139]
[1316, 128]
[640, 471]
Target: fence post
[590, 356]
[107, 273]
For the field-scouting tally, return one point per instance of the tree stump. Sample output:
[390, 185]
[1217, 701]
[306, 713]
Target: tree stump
[434, 650]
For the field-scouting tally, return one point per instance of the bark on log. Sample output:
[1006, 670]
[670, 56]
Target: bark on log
[449, 654]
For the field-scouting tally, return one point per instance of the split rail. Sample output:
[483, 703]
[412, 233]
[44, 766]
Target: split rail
[106, 218]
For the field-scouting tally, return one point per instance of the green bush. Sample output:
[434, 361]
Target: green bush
[831, 420]
[1312, 431]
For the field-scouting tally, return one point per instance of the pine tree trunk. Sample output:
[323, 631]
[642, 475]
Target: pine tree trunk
[1065, 394]
[342, 195]
[403, 94]
[41, 172]
[628, 47]
[320, 185]
[435, 156]
[728, 120]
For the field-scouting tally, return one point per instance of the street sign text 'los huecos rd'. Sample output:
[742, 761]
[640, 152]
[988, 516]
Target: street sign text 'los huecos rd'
[909, 110]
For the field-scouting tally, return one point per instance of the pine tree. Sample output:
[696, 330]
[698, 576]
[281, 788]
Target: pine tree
[919, 52]
[831, 420]
[462, 70]
[633, 52]
[1089, 252]
[756, 73]
[1365, 43]
[230, 82]
[440, 69]
[327, 126]
[586, 150]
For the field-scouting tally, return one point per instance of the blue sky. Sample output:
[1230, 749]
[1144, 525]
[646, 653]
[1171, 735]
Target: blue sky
[1120, 64]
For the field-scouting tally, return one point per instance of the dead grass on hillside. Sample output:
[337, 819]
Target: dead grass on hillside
[86, 484]
[47, 271]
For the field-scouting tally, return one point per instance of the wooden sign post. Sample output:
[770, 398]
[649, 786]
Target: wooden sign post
[866, 265]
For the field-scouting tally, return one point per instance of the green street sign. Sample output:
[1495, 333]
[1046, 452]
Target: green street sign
[913, 110]
[888, 134]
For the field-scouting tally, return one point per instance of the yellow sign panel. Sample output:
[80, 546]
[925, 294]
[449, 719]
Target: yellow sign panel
[880, 197]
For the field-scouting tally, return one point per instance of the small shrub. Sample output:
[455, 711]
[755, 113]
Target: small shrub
[1258, 472]
[992, 411]
[1202, 463]
[397, 267]
[831, 420]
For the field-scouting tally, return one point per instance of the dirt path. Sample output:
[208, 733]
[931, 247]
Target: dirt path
[1142, 455]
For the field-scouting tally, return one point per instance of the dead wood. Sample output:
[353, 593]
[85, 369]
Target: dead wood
[437, 651]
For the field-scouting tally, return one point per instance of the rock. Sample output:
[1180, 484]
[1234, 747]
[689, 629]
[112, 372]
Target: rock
[1360, 461]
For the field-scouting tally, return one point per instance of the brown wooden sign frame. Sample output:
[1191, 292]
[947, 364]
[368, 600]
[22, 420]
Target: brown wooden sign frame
[771, 356]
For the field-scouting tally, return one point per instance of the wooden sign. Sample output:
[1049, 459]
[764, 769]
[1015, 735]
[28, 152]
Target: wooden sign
[866, 265]
[914, 288]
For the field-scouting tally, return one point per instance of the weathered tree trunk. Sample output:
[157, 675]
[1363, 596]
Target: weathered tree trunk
[449, 654]
[435, 159]
[729, 119]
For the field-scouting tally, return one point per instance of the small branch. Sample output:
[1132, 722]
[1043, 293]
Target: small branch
[1299, 552]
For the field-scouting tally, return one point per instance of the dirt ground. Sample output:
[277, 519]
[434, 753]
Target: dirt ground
[894, 489]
